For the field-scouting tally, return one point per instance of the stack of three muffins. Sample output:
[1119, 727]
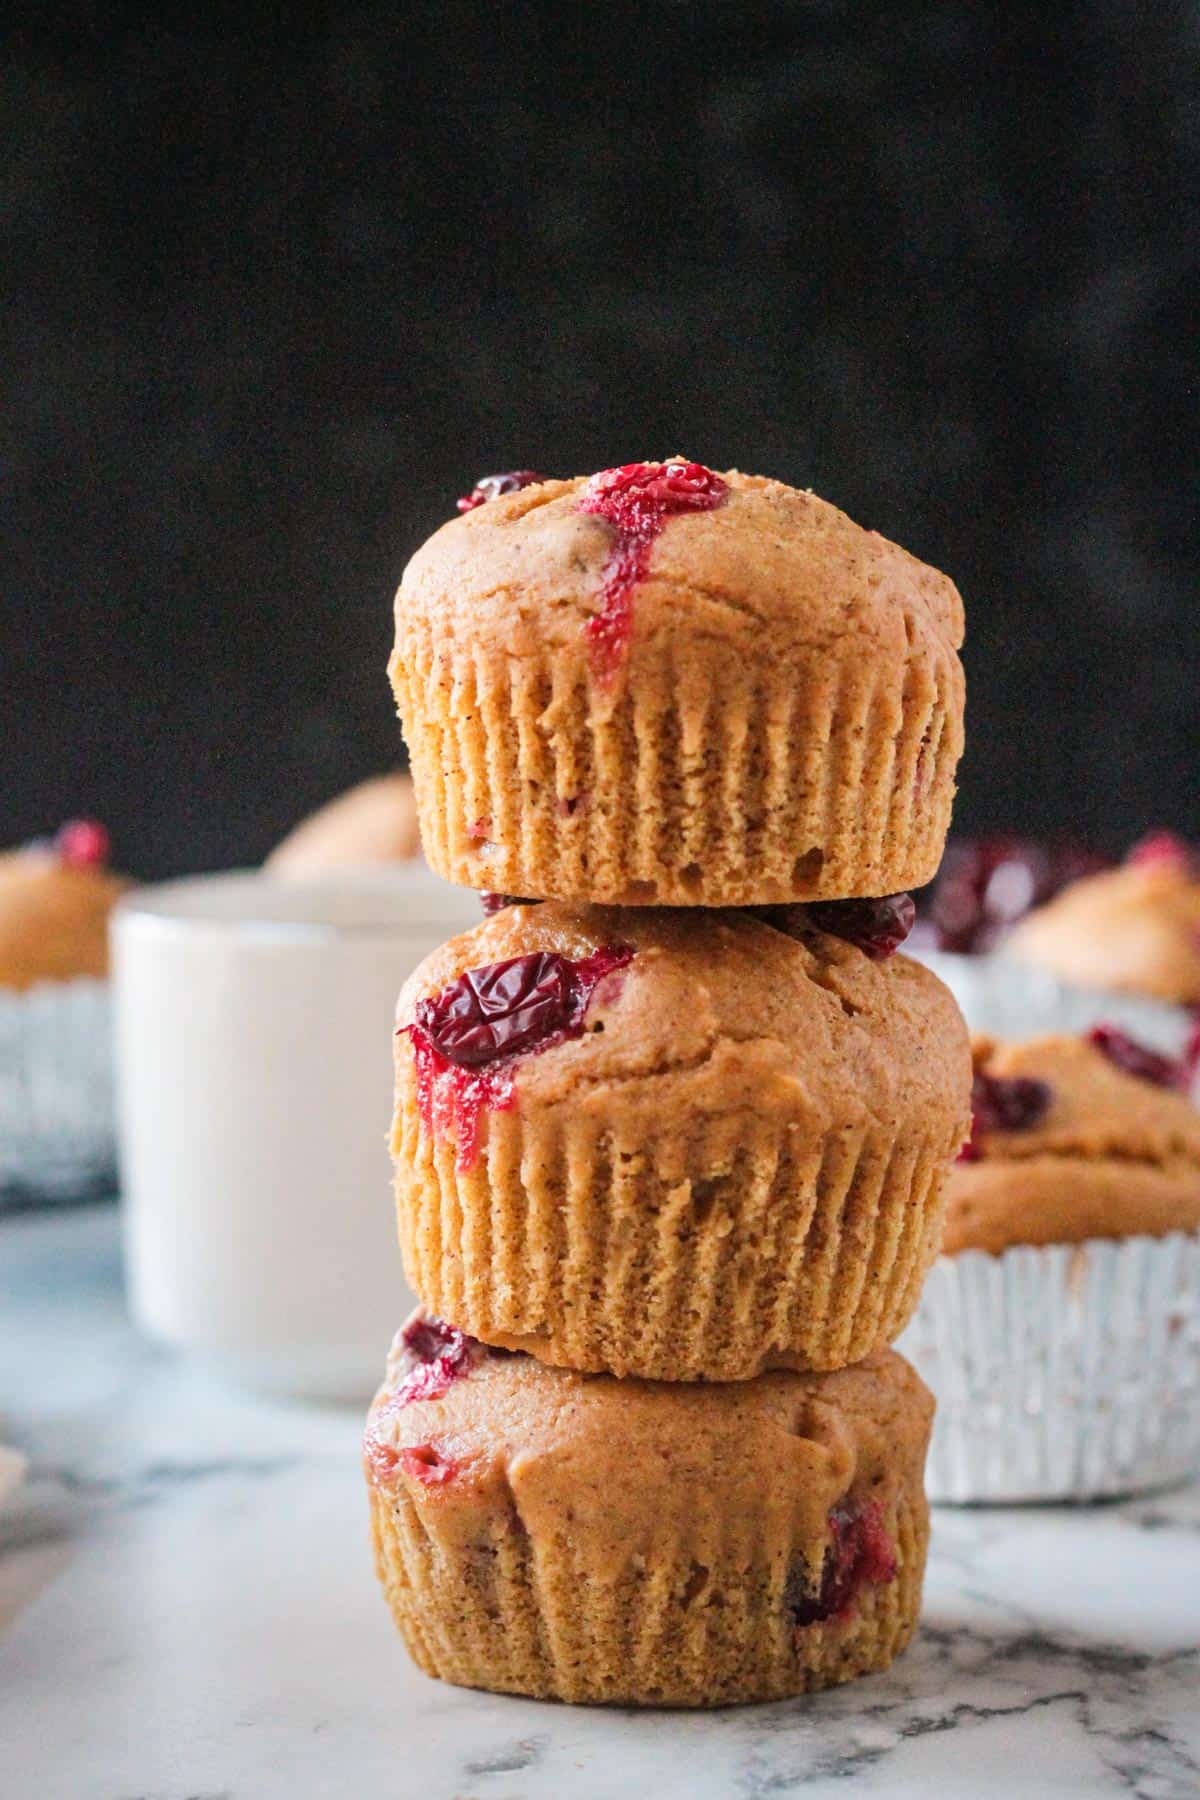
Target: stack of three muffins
[670, 1145]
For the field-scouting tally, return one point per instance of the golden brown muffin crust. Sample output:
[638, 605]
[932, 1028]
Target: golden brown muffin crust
[1135, 928]
[53, 918]
[738, 1165]
[524, 571]
[1113, 1156]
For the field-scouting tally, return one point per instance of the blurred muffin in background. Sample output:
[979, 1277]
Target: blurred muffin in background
[375, 822]
[1050, 938]
[55, 898]
[1135, 928]
[1060, 1329]
[985, 885]
[56, 1100]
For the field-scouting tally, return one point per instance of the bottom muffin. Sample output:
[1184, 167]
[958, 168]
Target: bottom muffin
[578, 1537]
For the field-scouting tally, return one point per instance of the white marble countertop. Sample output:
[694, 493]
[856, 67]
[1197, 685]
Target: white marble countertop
[188, 1612]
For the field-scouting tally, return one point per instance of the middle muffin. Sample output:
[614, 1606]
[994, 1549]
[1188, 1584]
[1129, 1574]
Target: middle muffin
[681, 1145]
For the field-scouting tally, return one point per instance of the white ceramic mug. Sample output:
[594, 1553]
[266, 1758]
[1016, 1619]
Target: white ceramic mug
[254, 1022]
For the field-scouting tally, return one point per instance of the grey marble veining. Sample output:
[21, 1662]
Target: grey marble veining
[188, 1612]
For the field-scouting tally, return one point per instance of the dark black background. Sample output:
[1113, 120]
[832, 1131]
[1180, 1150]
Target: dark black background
[277, 291]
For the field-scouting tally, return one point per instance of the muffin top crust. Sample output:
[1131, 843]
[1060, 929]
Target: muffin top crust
[536, 567]
[475, 1435]
[55, 899]
[700, 1013]
[1074, 1138]
[1135, 928]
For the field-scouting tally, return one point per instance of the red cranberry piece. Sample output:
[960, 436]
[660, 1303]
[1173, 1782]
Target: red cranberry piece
[986, 884]
[515, 1005]
[638, 497]
[1004, 1103]
[490, 487]
[467, 1038]
[859, 1555]
[494, 903]
[1162, 849]
[877, 927]
[427, 1464]
[82, 844]
[499, 1009]
[439, 1353]
[1138, 1059]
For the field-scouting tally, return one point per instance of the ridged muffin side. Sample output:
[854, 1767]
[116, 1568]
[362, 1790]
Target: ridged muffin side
[543, 1532]
[784, 723]
[737, 1165]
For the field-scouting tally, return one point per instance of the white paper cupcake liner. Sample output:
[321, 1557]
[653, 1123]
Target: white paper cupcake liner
[1062, 1372]
[1002, 997]
[57, 1136]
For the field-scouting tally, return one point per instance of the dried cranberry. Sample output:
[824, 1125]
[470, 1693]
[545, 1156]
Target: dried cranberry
[494, 903]
[859, 1554]
[467, 1038]
[440, 1355]
[1138, 1059]
[877, 927]
[499, 1009]
[637, 499]
[986, 884]
[490, 487]
[1162, 849]
[1004, 1103]
[82, 844]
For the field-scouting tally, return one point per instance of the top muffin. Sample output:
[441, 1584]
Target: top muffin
[660, 685]
[1135, 928]
[55, 899]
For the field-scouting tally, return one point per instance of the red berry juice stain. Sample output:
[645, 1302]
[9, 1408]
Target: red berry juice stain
[637, 500]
